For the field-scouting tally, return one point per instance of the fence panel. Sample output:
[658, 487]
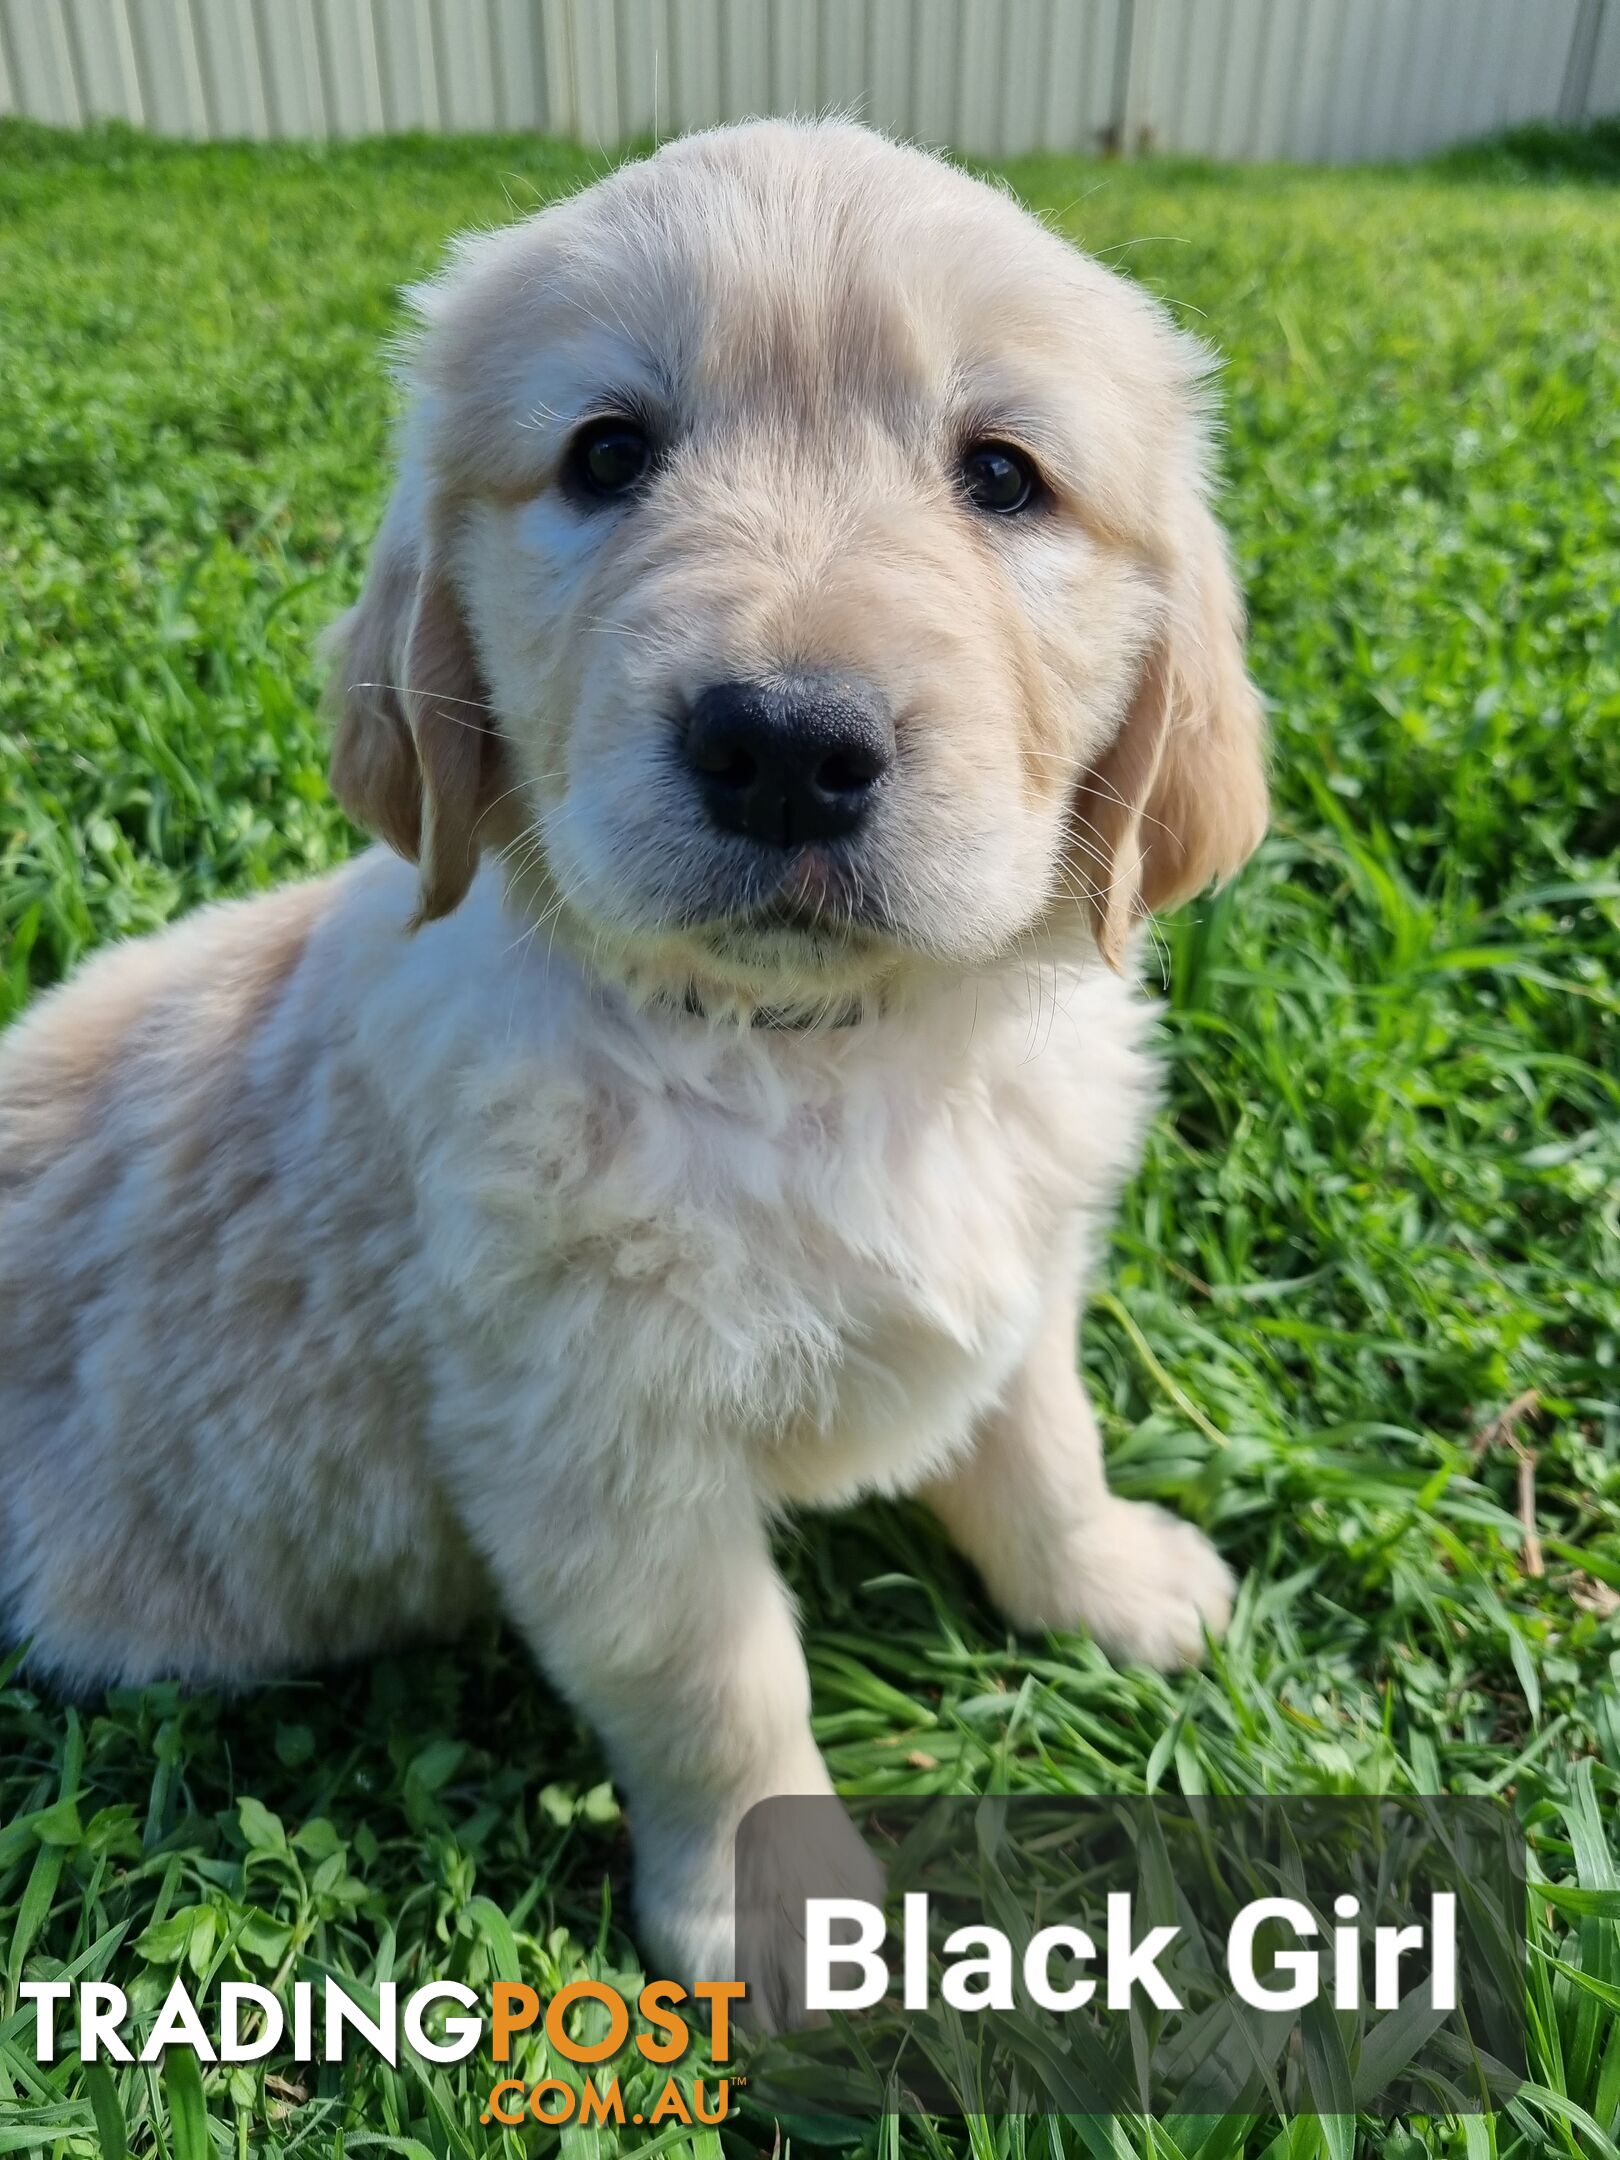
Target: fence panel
[37, 63]
[1316, 80]
[1600, 92]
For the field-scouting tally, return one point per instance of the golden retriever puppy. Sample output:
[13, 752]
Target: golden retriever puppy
[797, 654]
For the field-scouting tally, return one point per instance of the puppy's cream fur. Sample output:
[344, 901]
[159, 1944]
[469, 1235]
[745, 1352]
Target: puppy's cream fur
[432, 1235]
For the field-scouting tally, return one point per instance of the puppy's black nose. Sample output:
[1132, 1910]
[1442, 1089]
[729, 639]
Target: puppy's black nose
[790, 760]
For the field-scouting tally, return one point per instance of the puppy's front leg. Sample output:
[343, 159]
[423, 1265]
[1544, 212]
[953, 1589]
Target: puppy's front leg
[669, 1628]
[1031, 1508]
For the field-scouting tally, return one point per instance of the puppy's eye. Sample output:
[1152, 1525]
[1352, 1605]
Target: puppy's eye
[609, 457]
[998, 478]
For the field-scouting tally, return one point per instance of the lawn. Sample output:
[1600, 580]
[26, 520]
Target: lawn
[1362, 1316]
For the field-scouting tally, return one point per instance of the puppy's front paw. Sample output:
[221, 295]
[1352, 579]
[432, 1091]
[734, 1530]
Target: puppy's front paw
[1143, 1582]
[718, 1920]
[686, 1932]
[791, 1851]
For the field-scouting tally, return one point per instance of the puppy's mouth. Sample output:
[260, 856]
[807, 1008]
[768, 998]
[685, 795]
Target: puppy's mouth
[816, 907]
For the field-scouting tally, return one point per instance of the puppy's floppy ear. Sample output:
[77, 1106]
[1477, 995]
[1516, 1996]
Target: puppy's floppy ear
[416, 755]
[1179, 796]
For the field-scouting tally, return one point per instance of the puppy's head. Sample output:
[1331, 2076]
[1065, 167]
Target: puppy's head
[801, 571]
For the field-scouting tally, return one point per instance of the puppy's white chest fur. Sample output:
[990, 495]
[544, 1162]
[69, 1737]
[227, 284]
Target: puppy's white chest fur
[820, 1253]
[441, 1227]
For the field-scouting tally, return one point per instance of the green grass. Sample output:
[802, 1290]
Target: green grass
[1381, 1206]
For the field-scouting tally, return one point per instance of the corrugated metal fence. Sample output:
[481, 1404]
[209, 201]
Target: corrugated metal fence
[1317, 80]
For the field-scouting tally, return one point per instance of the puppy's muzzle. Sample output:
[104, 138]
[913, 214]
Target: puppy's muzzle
[792, 760]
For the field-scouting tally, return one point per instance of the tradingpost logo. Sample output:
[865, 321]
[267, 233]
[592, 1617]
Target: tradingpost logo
[585, 2025]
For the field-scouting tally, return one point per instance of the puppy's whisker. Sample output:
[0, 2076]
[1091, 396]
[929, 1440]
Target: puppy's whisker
[439, 699]
[518, 787]
[1090, 782]
[1111, 794]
